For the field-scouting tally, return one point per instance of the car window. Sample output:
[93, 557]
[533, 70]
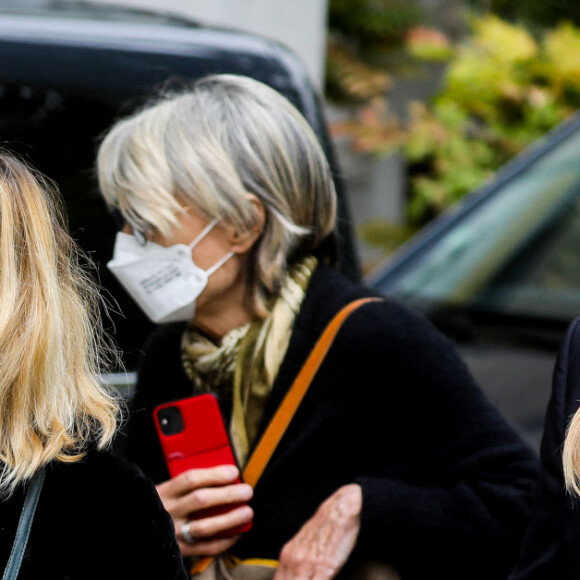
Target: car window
[517, 253]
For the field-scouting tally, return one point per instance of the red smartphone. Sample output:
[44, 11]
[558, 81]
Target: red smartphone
[193, 436]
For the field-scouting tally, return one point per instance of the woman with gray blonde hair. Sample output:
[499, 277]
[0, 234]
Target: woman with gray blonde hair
[230, 209]
[56, 419]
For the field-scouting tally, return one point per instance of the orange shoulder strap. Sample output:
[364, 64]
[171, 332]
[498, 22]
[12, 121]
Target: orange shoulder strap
[279, 423]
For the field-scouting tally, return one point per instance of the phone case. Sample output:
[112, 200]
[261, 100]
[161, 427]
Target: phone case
[193, 436]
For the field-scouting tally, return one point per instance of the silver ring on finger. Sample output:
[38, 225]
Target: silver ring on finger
[186, 534]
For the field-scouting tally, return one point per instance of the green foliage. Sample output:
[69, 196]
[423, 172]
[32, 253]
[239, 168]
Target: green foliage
[561, 66]
[358, 30]
[373, 22]
[504, 87]
[535, 13]
[443, 163]
[502, 91]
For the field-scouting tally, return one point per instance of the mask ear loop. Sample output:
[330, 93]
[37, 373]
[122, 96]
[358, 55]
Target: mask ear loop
[200, 237]
[203, 233]
[219, 263]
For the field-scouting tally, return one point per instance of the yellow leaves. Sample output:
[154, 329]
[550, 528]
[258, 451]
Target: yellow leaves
[562, 56]
[504, 42]
[477, 81]
[494, 66]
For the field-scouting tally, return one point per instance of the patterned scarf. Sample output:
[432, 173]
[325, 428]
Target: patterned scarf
[242, 368]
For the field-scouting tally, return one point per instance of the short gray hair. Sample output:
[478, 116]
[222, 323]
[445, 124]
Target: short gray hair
[208, 147]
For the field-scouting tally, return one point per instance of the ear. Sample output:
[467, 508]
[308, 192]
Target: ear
[241, 242]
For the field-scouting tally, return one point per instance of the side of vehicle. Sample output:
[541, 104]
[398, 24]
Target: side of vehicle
[500, 274]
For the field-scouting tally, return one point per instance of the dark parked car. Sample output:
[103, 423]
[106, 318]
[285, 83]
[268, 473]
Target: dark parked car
[500, 274]
[68, 70]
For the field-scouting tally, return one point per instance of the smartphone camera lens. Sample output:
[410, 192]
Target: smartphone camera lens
[170, 420]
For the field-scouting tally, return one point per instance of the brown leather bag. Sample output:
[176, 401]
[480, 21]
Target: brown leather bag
[219, 570]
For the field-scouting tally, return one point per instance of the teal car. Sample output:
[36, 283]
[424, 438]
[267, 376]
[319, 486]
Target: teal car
[500, 274]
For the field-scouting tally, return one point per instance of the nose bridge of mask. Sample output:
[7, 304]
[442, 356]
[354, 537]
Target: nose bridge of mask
[200, 237]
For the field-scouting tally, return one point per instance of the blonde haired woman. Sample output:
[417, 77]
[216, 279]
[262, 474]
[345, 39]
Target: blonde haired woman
[96, 516]
[550, 548]
[393, 454]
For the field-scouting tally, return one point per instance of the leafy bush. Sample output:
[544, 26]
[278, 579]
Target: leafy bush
[357, 30]
[373, 22]
[502, 90]
[535, 13]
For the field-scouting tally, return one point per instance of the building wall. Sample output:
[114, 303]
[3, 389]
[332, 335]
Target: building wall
[299, 24]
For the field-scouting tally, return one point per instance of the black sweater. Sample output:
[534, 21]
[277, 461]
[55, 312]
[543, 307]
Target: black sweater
[100, 518]
[446, 482]
[551, 549]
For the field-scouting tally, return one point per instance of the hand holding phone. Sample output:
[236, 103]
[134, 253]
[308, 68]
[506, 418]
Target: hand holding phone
[193, 436]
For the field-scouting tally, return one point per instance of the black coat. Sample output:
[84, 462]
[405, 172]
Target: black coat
[446, 483]
[100, 518]
[551, 548]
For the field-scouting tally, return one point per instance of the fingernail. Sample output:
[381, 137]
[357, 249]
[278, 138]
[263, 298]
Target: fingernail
[230, 471]
[246, 491]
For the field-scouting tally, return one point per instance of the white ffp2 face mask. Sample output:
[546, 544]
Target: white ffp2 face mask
[163, 281]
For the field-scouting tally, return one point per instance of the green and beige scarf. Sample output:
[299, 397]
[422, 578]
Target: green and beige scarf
[242, 368]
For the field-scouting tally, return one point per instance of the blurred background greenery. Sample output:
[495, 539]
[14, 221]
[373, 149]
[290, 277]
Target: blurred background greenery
[510, 73]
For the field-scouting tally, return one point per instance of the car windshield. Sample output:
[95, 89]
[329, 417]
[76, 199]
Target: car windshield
[518, 253]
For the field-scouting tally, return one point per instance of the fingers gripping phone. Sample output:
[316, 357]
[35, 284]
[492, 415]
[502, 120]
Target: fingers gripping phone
[193, 436]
